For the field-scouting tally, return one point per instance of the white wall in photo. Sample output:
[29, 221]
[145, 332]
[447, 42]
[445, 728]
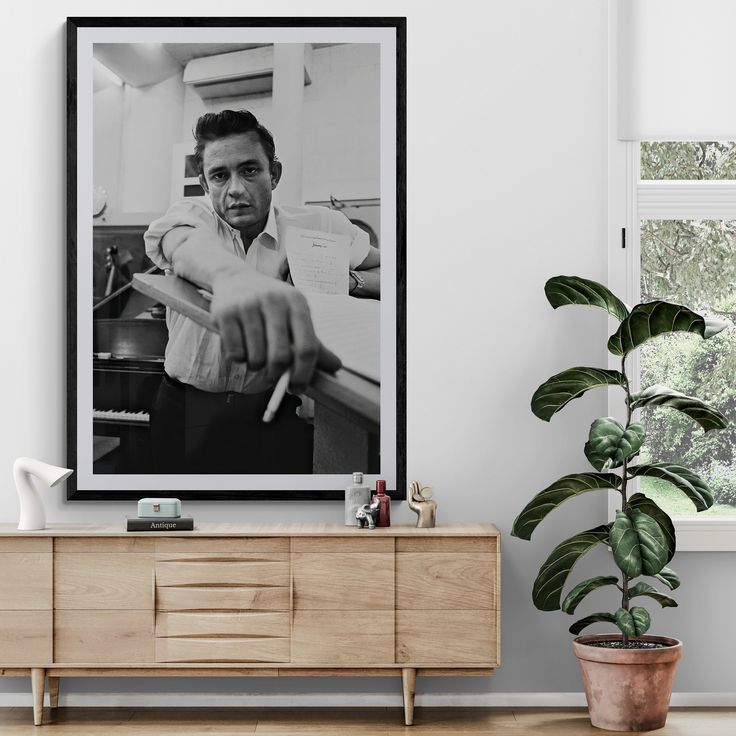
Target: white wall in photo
[137, 128]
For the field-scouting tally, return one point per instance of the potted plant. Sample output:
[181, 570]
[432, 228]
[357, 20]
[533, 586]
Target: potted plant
[628, 676]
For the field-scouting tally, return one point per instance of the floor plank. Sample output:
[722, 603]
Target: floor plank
[346, 721]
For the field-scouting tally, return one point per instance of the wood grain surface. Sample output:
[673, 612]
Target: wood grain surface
[102, 580]
[103, 636]
[342, 637]
[26, 581]
[359, 721]
[24, 637]
[445, 580]
[343, 581]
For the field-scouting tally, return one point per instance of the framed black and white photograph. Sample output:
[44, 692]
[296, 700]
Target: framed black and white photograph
[236, 256]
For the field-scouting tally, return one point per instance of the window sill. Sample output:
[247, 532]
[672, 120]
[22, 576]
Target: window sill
[705, 534]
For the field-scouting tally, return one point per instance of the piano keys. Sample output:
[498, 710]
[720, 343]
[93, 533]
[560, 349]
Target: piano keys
[121, 416]
[127, 368]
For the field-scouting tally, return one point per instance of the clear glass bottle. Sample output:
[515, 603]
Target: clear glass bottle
[356, 496]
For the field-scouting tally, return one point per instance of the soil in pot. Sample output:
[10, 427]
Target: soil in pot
[631, 644]
[627, 689]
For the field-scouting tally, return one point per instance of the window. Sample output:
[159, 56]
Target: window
[682, 248]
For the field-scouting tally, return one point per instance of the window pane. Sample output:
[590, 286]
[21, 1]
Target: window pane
[690, 160]
[691, 262]
[190, 166]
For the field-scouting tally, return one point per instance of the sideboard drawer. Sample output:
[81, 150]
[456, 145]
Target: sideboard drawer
[213, 598]
[439, 580]
[221, 623]
[446, 637]
[431, 543]
[338, 545]
[355, 638]
[343, 581]
[103, 637]
[25, 637]
[259, 649]
[26, 581]
[200, 572]
[103, 581]
[26, 544]
[92, 545]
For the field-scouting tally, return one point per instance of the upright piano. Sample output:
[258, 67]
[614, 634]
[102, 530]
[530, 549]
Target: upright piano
[129, 341]
[128, 365]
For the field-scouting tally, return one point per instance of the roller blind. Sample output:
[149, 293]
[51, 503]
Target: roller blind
[677, 69]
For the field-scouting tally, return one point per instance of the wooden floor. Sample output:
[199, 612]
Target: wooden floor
[343, 721]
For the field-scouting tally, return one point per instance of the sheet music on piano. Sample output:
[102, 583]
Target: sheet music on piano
[350, 327]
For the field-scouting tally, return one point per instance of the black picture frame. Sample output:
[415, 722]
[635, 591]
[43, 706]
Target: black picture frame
[100, 488]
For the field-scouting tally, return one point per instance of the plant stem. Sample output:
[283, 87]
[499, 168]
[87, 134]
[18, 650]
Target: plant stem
[624, 499]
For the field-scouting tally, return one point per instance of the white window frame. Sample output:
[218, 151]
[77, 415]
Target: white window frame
[661, 200]
[630, 201]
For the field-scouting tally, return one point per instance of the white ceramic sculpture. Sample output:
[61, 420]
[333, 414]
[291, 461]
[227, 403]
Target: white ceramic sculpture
[32, 512]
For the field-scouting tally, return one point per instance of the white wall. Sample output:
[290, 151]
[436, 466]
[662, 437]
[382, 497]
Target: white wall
[152, 119]
[506, 187]
[136, 128]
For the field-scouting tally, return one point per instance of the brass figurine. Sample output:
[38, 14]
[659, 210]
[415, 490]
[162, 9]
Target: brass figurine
[419, 500]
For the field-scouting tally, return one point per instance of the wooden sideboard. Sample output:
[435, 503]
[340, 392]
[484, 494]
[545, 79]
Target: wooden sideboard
[249, 600]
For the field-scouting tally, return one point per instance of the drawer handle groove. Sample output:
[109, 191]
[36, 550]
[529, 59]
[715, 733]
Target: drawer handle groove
[208, 560]
[234, 637]
[223, 586]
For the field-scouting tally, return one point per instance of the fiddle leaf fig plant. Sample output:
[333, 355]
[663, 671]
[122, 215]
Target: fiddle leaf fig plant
[641, 537]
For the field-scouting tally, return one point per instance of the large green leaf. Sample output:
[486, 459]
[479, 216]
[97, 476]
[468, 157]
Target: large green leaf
[642, 503]
[573, 598]
[559, 390]
[639, 544]
[553, 573]
[562, 290]
[669, 577]
[550, 498]
[706, 416]
[583, 623]
[610, 443]
[653, 542]
[645, 589]
[635, 622]
[625, 545]
[657, 318]
[681, 477]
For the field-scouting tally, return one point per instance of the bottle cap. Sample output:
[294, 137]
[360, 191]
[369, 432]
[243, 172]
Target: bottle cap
[357, 478]
[380, 487]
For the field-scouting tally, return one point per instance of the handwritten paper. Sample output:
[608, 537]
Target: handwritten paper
[318, 261]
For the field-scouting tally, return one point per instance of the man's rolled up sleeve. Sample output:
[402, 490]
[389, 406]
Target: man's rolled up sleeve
[186, 213]
[360, 245]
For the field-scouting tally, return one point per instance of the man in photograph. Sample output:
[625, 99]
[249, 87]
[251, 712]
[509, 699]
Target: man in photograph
[207, 417]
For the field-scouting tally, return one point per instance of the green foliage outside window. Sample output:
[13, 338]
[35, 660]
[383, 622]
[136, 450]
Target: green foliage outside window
[695, 161]
[692, 262]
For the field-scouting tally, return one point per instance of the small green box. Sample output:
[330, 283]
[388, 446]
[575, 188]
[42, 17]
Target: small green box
[153, 508]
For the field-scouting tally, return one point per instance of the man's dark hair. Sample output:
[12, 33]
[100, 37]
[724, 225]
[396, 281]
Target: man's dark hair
[214, 125]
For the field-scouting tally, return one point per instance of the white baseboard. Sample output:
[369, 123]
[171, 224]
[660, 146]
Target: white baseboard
[343, 700]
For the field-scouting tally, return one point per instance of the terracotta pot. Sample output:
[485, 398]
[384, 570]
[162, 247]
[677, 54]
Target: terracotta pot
[627, 689]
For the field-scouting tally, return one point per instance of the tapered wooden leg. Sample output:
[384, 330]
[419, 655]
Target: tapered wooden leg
[409, 682]
[53, 692]
[38, 675]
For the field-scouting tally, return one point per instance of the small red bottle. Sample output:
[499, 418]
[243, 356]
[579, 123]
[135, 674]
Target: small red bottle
[384, 512]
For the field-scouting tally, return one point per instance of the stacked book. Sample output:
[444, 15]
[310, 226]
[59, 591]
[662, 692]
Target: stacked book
[160, 515]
